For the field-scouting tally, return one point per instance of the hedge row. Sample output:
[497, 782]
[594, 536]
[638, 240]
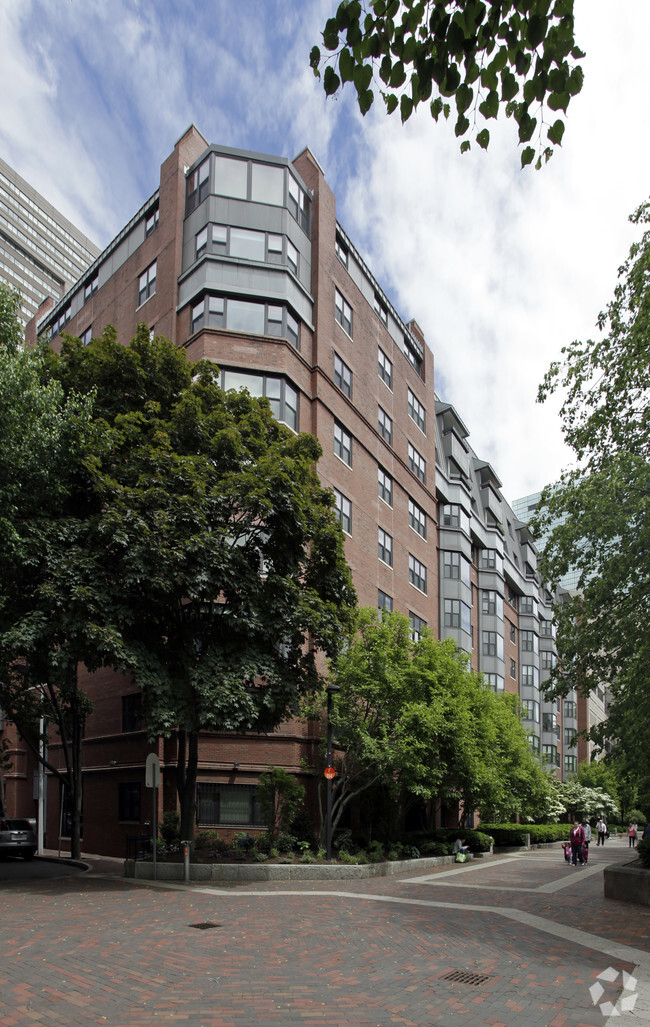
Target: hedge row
[515, 834]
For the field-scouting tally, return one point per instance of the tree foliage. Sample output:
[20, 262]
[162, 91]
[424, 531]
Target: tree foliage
[215, 541]
[601, 507]
[280, 796]
[414, 717]
[466, 59]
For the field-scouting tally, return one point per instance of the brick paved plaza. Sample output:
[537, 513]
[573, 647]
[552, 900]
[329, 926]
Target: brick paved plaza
[525, 935]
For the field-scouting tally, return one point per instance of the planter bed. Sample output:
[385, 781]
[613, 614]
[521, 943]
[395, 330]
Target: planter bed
[628, 883]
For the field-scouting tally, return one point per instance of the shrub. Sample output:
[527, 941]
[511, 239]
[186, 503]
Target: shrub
[307, 857]
[411, 852]
[435, 849]
[206, 840]
[285, 842]
[219, 847]
[643, 851]
[376, 854]
[260, 857]
[346, 857]
[343, 840]
[170, 827]
[279, 795]
[304, 847]
[244, 841]
[273, 853]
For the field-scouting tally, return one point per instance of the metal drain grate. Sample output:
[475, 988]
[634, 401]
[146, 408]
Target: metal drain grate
[205, 926]
[464, 977]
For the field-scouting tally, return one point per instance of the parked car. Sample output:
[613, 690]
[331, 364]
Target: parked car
[17, 838]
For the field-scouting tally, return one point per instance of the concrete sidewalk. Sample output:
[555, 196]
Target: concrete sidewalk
[515, 940]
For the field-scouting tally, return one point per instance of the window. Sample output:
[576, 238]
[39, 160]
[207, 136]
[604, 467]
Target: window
[550, 754]
[496, 682]
[385, 425]
[570, 738]
[343, 511]
[227, 804]
[147, 284]
[454, 516]
[529, 641]
[417, 412]
[491, 560]
[456, 567]
[292, 257]
[417, 626]
[342, 444]
[201, 242]
[58, 324]
[129, 804]
[417, 463]
[452, 613]
[341, 251]
[282, 396]
[528, 606]
[385, 368]
[385, 546]
[245, 316]
[267, 184]
[513, 598]
[343, 312]
[230, 177]
[533, 741]
[417, 518]
[412, 355]
[151, 220]
[342, 376]
[132, 712]
[513, 633]
[529, 675]
[570, 764]
[491, 603]
[530, 710]
[492, 644]
[299, 205]
[417, 574]
[384, 602]
[570, 709]
[549, 723]
[198, 185]
[91, 287]
[381, 310]
[384, 486]
[513, 670]
[86, 336]
[548, 659]
[247, 244]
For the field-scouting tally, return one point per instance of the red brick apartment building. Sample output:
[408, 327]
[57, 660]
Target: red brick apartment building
[238, 257]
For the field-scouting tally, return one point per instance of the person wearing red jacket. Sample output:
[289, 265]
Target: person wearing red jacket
[577, 839]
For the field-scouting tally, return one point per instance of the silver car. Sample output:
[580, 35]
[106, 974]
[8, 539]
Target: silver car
[17, 838]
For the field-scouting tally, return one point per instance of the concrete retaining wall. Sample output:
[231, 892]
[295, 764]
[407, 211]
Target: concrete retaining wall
[628, 883]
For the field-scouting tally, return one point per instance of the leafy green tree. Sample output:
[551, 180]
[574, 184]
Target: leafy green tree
[280, 796]
[49, 605]
[217, 545]
[480, 55]
[578, 801]
[601, 506]
[414, 717]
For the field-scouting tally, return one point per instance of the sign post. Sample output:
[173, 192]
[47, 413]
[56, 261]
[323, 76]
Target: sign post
[152, 780]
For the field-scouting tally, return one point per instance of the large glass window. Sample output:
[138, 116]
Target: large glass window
[385, 425]
[454, 516]
[496, 682]
[147, 284]
[341, 251]
[235, 805]
[129, 801]
[132, 712]
[417, 518]
[417, 574]
[385, 546]
[342, 443]
[343, 312]
[529, 641]
[530, 710]
[528, 606]
[299, 205]
[452, 613]
[198, 185]
[381, 310]
[417, 463]
[342, 376]
[247, 244]
[570, 709]
[491, 560]
[416, 411]
[491, 603]
[282, 396]
[529, 675]
[417, 626]
[492, 643]
[456, 566]
[385, 368]
[384, 602]
[245, 316]
[384, 486]
[231, 177]
[343, 511]
[267, 184]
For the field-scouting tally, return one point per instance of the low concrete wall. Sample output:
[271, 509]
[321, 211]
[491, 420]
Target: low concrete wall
[628, 883]
[247, 872]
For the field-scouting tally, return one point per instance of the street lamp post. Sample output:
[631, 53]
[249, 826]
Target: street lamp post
[329, 769]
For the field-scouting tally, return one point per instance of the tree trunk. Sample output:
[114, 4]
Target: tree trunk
[188, 759]
[76, 784]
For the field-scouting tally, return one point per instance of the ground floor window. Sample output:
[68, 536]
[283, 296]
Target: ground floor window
[234, 805]
[129, 800]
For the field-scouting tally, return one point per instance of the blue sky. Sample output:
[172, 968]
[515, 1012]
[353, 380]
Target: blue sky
[501, 268]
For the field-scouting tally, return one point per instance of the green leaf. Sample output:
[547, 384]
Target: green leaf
[509, 86]
[331, 81]
[558, 101]
[436, 108]
[331, 35]
[314, 58]
[526, 128]
[362, 76]
[575, 81]
[461, 125]
[406, 107]
[365, 101]
[385, 69]
[346, 65]
[556, 131]
[391, 102]
[527, 156]
[537, 29]
[397, 76]
[490, 106]
[464, 97]
[465, 145]
[483, 138]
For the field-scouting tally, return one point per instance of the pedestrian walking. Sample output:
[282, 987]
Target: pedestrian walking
[631, 836]
[601, 831]
[586, 827]
[577, 839]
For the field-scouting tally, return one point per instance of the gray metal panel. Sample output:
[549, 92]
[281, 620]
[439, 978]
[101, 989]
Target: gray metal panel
[270, 282]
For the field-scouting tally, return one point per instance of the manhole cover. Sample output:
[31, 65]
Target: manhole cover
[464, 977]
[205, 926]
